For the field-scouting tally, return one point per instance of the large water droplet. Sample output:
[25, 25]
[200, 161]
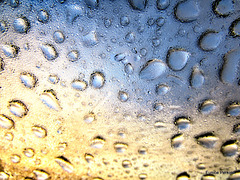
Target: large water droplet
[207, 140]
[6, 122]
[10, 51]
[177, 140]
[207, 107]
[187, 11]
[43, 16]
[64, 163]
[21, 25]
[233, 109]
[138, 4]
[223, 7]
[18, 108]
[234, 29]
[229, 148]
[162, 4]
[41, 174]
[177, 59]
[28, 79]
[153, 69]
[39, 131]
[120, 147]
[97, 80]
[210, 40]
[49, 98]
[49, 52]
[197, 79]
[182, 123]
[97, 142]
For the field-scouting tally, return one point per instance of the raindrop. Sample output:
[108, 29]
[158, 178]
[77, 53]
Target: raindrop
[62, 146]
[233, 109]
[107, 22]
[187, 11]
[223, 7]
[153, 69]
[124, 20]
[207, 107]
[64, 163]
[89, 118]
[97, 80]
[150, 21]
[162, 89]
[207, 140]
[177, 59]
[235, 175]
[120, 57]
[90, 39]
[142, 150]
[208, 177]
[29, 80]
[201, 166]
[15, 158]
[229, 148]
[92, 3]
[210, 40]
[73, 55]
[236, 128]
[120, 147]
[123, 96]
[10, 51]
[182, 123]
[79, 85]
[126, 164]
[138, 4]
[9, 136]
[128, 68]
[177, 140]
[29, 152]
[39, 131]
[142, 176]
[197, 78]
[4, 176]
[183, 176]
[49, 51]
[143, 51]
[73, 12]
[89, 158]
[6, 122]
[130, 37]
[97, 142]
[18, 108]
[162, 4]
[58, 37]
[14, 3]
[21, 25]
[54, 79]
[159, 124]
[156, 42]
[234, 29]
[41, 174]
[3, 26]
[49, 98]
[160, 21]
[158, 106]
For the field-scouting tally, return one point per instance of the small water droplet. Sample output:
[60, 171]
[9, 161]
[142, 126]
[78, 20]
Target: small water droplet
[201, 166]
[126, 164]
[142, 150]
[58, 37]
[41, 174]
[62, 146]
[15, 158]
[97, 142]
[89, 118]
[9, 136]
[29, 80]
[92, 3]
[3, 26]
[229, 148]
[128, 68]
[177, 59]
[130, 37]
[158, 106]
[142, 176]
[124, 20]
[49, 98]
[160, 21]
[97, 80]
[162, 4]
[29, 152]
[235, 175]
[120, 147]
[89, 158]
[64, 163]
[43, 16]
[54, 79]
[21, 25]
[208, 177]
[120, 57]
[197, 78]
[159, 124]
[39, 131]
[162, 89]
[207, 140]
[73, 55]
[18, 108]
[73, 12]
[14, 3]
[79, 85]
[10, 51]
[6, 122]
[123, 96]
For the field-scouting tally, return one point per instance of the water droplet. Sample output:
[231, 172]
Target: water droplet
[89, 158]
[162, 4]
[92, 3]
[236, 128]
[142, 176]
[234, 29]
[201, 166]
[90, 117]
[15, 158]
[138, 4]
[49, 98]
[208, 177]
[177, 59]
[64, 163]
[182, 123]
[124, 20]
[158, 106]
[9, 136]
[4, 176]
[159, 124]
[90, 39]
[14, 3]
[2, 64]
[128, 68]
[21, 25]
[233, 109]
[120, 147]
[207, 107]
[223, 7]
[39, 131]
[29, 80]
[73, 55]
[62, 146]
[107, 22]
[183, 176]
[150, 21]
[6, 122]
[123, 96]
[130, 37]
[41, 174]
[207, 140]
[229, 148]
[126, 164]
[73, 12]
[235, 175]
[18, 108]
[160, 21]
[197, 78]
[10, 51]
[58, 37]
[187, 11]
[177, 140]
[97, 80]
[142, 150]
[230, 67]
[49, 52]
[210, 40]
[54, 79]
[162, 89]
[29, 152]
[98, 142]
[79, 85]
[3, 26]
[156, 42]
[120, 57]
[153, 69]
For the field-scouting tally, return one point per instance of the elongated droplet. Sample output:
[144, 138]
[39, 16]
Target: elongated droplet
[49, 98]
[28, 79]
[49, 52]
[64, 164]
[6, 122]
[41, 174]
[18, 108]
[207, 140]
